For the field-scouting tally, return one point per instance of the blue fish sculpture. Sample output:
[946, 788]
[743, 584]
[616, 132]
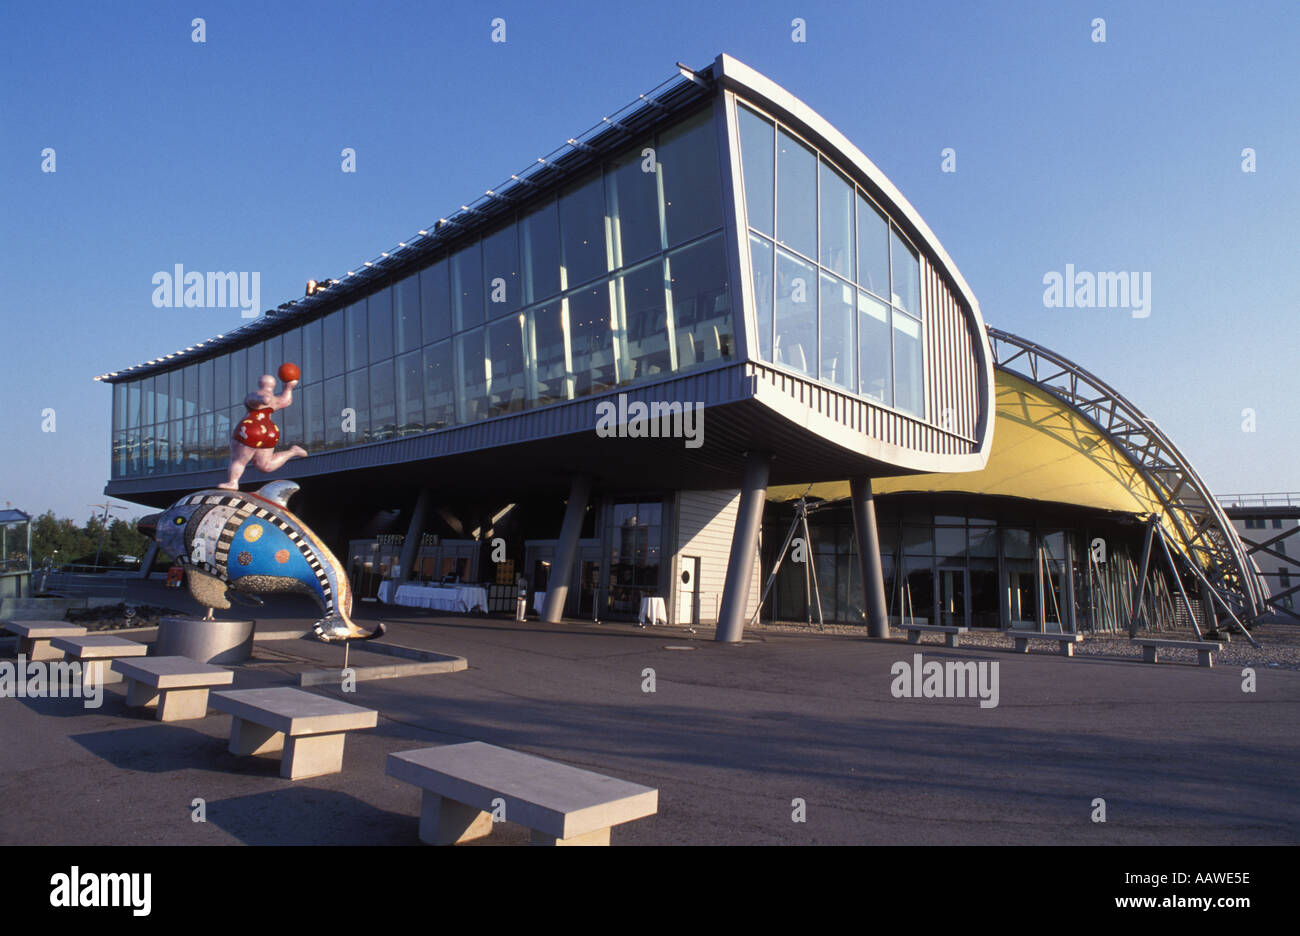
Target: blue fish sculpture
[250, 543]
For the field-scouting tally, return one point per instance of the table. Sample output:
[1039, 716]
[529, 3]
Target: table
[654, 610]
[435, 598]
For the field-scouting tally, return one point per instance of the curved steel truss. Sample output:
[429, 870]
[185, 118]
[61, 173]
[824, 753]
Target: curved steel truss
[1206, 540]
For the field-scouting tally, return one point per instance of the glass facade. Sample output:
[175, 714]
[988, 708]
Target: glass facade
[619, 277]
[837, 288]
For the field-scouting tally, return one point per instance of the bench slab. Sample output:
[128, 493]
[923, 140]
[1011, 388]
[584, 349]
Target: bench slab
[308, 729]
[914, 632]
[98, 651]
[176, 686]
[1066, 641]
[563, 805]
[1151, 646]
[34, 637]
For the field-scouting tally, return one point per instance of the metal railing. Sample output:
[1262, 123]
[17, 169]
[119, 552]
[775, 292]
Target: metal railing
[1275, 499]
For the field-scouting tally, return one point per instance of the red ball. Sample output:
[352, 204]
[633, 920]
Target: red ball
[289, 372]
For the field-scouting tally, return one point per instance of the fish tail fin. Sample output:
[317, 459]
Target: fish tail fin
[337, 628]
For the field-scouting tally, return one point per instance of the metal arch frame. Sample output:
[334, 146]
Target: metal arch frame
[1183, 495]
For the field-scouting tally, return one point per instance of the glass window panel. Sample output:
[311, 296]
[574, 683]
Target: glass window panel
[643, 323]
[292, 351]
[539, 238]
[984, 541]
[146, 401]
[206, 386]
[161, 396]
[177, 436]
[191, 430]
[177, 381]
[406, 315]
[838, 346]
[907, 276]
[255, 366]
[582, 231]
[238, 379]
[439, 387]
[410, 393]
[220, 383]
[357, 399]
[119, 407]
[335, 402]
[335, 343]
[358, 333]
[207, 444]
[1017, 543]
[383, 402]
[796, 209]
[467, 286]
[692, 184]
[950, 542]
[874, 355]
[133, 404]
[435, 301]
[221, 434]
[471, 367]
[908, 394]
[313, 355]
[273, 355]
[762, 257]
[918, 540]
[796, 314]
[292, 424]
[379, 309]
[501, 271]
[547, 348]
[701, 303]
[873, 249]
[313, 399]
[191, 393]
[633, 208]
[756, 147]
[836, 218]
[505, 366]
[162, 455]
[591, 340]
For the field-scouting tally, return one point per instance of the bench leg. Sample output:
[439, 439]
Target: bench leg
[248, 737]
[38, 649]
[1022, 645]
[950, 640]
[597, 837]
[1150, 655]
[182, 704]
[312, 756]
[1205, 657]
[1067, 648]
[140, 695]
[914, 637]
[101, 672]
[446, 822]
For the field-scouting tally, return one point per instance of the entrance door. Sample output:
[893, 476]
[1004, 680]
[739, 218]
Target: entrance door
[688, 608]
[953, 589]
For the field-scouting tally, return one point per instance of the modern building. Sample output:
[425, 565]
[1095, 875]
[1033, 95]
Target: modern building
[1269, 527]
[15, 554]
[593, 375]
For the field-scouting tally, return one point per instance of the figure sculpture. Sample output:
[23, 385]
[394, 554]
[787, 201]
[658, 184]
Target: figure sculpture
[256, 435]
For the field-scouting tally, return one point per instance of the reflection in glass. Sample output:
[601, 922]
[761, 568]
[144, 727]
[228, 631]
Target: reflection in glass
[633, 208]
[549, 376]
[358, 399]
[505, 369]
[874, 350]
[796, 209]
[760, 184]
[907, 275]
[873, 249]
[435, 304]
[335, 401]
[582, 231]
[313, 355]
[467, 287]
[838, 346]
[590, 340]
[357, 336]
[501, 271]
[471, 364]
[836, 221]
[406, 315]
[701, 303]
[380, 312]
[908, 394]
[383, 402]
[439, 387]
[688, 164]
[796, 314]
[410, 393]
[539, 240]
[761, 256]
[643, 323]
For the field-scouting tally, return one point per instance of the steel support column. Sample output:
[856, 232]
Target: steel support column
[414, 531]
[873, 575]
[566, 551]
[744, 548]
[150, 555]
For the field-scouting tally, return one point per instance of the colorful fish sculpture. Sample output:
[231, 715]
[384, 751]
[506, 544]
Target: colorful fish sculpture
[250, 543]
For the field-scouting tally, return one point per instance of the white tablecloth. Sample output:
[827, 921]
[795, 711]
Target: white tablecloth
[436, 598]
[653, 610]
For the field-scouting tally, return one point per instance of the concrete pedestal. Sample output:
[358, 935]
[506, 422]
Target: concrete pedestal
[446, 822]
[312, 756]
[205, 641]
[248, 737]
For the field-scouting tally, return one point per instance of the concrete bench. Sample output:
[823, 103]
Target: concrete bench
[97, 652]
[34, 637]
[914, 632]
[1066, 641]
[309, 729]
[174, 685]
[1205, 649]
[562, 805]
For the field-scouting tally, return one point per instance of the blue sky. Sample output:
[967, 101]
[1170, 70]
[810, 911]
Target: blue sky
[1122, 156]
